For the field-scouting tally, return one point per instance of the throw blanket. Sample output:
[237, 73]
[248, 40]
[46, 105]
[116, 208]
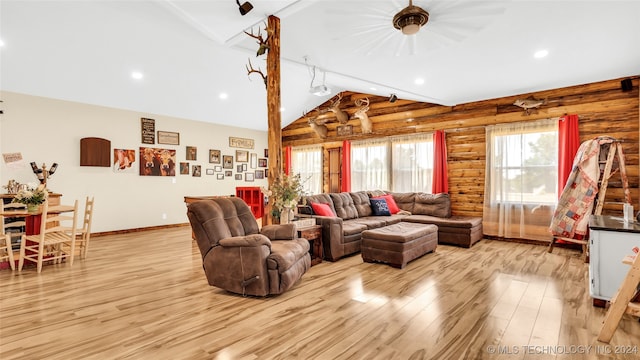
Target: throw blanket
[571, 217]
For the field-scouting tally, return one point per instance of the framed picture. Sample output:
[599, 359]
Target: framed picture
[227, 161]
[157, 162]
[228, 173]
[242, 156]
[240, 142]
[148, 130]
[254, 160]
[259, 174]
[266, 173]
[262, 162]
[184, 168]
[239, 168]
[238, 176]
[123, 160]
[248, 176]
[217, 168]
[192, 153]
[214, 156]
[266, 153]
[220, 177]
[197, 170]
[244, 167]
[209, 171]
[168, 138]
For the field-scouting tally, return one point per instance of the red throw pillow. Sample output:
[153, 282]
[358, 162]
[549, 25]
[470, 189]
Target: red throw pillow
[391, 203]
[322, 209]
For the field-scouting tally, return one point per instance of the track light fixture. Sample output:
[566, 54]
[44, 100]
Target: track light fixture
[244, 8]
[393, 98]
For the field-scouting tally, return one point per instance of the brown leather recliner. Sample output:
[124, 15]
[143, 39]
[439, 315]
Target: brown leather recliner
[239, 257]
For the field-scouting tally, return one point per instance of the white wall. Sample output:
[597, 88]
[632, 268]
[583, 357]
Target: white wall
[47, 130]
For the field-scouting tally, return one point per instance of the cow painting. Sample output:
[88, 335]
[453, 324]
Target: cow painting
[157, 162]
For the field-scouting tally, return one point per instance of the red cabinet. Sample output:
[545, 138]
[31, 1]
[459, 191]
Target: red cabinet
[254, 198]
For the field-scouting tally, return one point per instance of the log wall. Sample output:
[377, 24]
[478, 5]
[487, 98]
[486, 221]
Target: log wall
[603, 109]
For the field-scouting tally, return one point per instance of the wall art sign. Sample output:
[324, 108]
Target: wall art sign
[168, 138]
[148, 130]
[345, 130]
[240, 142]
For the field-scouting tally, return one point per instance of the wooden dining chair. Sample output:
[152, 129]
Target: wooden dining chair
[56, 242]
[12, 228]
[83, 234]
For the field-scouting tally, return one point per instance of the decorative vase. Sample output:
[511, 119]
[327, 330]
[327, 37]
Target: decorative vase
[286, 215]
[33, 207]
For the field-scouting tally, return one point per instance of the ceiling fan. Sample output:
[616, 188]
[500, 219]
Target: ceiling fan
[393, 28]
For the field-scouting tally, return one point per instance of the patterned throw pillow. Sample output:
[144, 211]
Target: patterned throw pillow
[380, 207]
[391, 203]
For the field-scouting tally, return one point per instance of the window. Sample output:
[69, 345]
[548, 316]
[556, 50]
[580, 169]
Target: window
[521, 179]
[400, 164]
[307, 161]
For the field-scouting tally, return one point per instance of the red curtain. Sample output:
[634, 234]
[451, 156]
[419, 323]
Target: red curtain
[440, 177]
[287, 160]
[346, 166]
[568, 144]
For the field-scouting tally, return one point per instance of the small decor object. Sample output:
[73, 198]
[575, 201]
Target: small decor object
[168, 138]
[379, 207]
[228, 173]
[262, 163]
[244, 167]
[197, 171]
[259, 174]
[344, 130]
[242, 156]
[530, 104]
[32, 197]
[148, 130]
[220, 176]
[238, 176]
[239, 168]
[157, 162]
[184, 168]
[217, 168]
[214, 156]
[227, 161]
[248, 176]
[240, 143]
[266, 153]
[284, 194]
[192, 153]
[209, 171]
[42, 173]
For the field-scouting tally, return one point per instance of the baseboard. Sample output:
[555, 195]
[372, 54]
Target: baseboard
[126, 231]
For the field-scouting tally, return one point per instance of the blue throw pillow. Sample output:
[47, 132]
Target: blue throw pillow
[380, 207]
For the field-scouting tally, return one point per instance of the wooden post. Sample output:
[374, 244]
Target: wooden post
[273, 105]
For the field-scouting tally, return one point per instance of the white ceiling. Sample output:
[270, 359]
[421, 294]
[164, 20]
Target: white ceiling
[192, 51]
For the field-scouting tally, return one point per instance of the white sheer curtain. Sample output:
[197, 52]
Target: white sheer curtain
[412, 162]
[370, 165]
[521, 179]
[307, 161]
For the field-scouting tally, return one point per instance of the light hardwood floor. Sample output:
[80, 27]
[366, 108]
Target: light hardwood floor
[144, 296]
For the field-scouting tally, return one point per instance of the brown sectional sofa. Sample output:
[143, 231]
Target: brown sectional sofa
[342, 234]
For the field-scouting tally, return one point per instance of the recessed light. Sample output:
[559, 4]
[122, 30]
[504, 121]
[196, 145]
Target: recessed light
[1, 43]
[137, 75]
[419, 81]
[282, 109]
[540, 54]
[223, 96]
[372, 89]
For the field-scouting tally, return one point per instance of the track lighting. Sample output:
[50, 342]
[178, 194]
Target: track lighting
[244, 8]
[393, 98]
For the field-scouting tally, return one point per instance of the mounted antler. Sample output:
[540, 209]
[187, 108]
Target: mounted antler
[320, 129]
[341, 115]
[263, 42]
[251, 70]
[361, 113]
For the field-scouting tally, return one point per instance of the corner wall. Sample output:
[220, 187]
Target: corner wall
[47, 130]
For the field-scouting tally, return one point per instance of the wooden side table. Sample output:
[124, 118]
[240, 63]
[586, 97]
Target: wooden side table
[314, 235]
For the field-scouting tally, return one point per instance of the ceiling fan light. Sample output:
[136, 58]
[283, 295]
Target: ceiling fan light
[410, 19]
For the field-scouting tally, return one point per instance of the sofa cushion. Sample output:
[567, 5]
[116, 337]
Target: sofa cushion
[432, 204]
[391, 203]
[344, 206]
[405, 200]
[285, 253]
[452, 222]
[352, 227]
[372, 222]
[322, 209]
[361, 202]
[380, 207]
[322, 199]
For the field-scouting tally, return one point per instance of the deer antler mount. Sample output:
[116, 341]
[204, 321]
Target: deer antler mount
[263, 47]
[361, 113]
[319, 128]
[341, 115]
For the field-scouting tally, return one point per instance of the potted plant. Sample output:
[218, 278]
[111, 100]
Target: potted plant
[32, 197]
[285, 192]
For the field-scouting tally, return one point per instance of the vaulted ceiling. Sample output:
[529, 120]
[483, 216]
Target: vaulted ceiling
[190, 53]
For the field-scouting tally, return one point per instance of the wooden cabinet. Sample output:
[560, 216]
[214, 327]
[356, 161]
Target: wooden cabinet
[254, 198]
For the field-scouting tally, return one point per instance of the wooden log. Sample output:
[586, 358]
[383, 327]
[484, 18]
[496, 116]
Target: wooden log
[273, 105]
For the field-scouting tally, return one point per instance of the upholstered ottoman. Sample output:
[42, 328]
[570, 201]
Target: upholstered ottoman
[399, 243]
